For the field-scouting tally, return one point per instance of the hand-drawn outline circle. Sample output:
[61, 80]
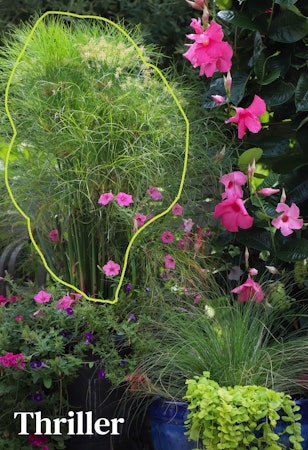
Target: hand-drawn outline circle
[6, 167]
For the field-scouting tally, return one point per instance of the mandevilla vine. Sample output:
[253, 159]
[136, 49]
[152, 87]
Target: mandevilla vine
[235, 38]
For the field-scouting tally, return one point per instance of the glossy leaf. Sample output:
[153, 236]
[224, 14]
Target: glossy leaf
[277, 93]
[300, 193]
[238, 19]
[293, 250]
[274, 144]
[301, 93]
[285, 2]
[288, 27]
[248, 156]
[254, 238]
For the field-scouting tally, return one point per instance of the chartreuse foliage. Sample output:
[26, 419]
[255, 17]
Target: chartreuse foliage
[239, 417]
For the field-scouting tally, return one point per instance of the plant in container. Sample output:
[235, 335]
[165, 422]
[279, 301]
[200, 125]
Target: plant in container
[240, 416]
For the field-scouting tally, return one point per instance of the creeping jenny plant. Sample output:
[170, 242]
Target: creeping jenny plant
[239, 417]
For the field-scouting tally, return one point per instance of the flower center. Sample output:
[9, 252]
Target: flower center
[284, 218]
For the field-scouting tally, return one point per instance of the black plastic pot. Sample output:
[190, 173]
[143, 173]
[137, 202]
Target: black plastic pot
[87, 393]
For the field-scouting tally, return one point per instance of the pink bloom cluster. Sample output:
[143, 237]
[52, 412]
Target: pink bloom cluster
[232, 209]
[209, 51]
[121, 198]
[10, 360]
[38, 441]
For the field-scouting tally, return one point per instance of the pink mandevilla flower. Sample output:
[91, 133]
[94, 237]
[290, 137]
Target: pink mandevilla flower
[42, 297]
[177, 210]
[154, 193]
[233, 214]
[288, 220]
[124, 199]
[54, 235]
[248, 290]
[167, 237]
[65, 302]
[249, 117]
[233, 183]
[104, 199]
[208, 52]
[111, 268]
[268, 191]
[169, 262]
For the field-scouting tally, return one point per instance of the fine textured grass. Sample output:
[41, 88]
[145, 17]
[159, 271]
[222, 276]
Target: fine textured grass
[239, 344]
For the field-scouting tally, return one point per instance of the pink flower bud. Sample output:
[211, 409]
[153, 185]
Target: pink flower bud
[283, 196]
[268, 191]
[253, 272]
[273, 270]
[251, 169]
[197, 4]
[228, 83]
[219, 99]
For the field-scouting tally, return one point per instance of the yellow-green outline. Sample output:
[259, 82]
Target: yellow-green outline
[6, 168]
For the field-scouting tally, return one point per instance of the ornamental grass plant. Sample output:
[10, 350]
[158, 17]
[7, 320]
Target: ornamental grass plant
[93, 120]
[238, 343]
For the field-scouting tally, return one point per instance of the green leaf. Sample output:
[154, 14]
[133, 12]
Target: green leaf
[301, 93]
[258, 8]
[238, 19]
[268, 79]
[270, 181]
[47, 381]
[285, 2]
[223, 4]
[293, 250]
[253, 238]
[288, 27]
[299, 194]
[239, 81]
[277, 93]
[274, 145]
[248, 156]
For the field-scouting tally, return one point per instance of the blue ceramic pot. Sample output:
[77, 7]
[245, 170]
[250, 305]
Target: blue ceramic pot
[304, 423]
[168, 425]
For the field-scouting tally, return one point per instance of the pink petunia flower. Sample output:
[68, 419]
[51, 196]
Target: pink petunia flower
[65, 302]
[20, 317]
[154, 193]
[233, 183]
[140, 219]
[289, 220]
[177, 210]
[42, 297]
[208, 52]
[124, 199]
[54, 235]
[248, 290]
[167, 237]
[37, 440]
[187, 225]
[169, 262]
[104, 199]
[268, 191]
[249, 117]
[233, 214]
[111, 268]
